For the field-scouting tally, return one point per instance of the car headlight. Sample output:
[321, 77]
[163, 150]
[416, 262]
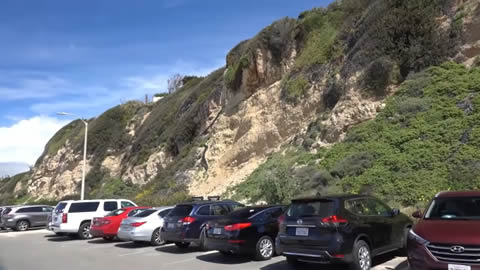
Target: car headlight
[413, 236]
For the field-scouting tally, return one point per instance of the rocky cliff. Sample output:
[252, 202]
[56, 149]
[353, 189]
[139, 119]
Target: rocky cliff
[330, 70]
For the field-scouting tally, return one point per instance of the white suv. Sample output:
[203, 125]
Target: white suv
[74, 217]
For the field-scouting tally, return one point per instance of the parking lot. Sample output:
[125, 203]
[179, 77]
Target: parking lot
[42, 250]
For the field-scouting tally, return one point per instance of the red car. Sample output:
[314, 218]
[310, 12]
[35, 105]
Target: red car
[447, 235]
[107, 226]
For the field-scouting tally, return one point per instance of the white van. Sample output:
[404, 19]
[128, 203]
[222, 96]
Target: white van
[75, 217]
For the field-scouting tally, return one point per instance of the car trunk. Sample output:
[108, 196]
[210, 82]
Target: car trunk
[216, 229]
[57, 214]
[307, 223]
[174, 221]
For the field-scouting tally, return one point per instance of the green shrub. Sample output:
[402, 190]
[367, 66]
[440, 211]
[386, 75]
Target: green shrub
[380, 74]
[233, 76]
[294, 88]
[353, 165]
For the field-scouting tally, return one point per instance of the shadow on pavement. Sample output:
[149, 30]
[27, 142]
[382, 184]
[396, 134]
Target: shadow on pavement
[220, 258]
[62, 239]
[172, 249]
[402, 266]
[103, 241]
[132, 245]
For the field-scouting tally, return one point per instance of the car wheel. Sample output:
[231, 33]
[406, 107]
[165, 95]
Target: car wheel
[157, 238]
[202, 246]
[108, 238]
[362, 258]
[84, 231]
[264, 249]
[22, 225]
[182, 245]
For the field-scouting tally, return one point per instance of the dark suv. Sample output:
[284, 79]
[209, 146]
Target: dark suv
[340, 229]
[186, 222]
[447, 236]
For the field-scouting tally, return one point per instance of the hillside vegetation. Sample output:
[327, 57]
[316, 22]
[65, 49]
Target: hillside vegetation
[427, 139]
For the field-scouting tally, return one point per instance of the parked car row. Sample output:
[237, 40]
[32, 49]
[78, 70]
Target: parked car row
[350, 229]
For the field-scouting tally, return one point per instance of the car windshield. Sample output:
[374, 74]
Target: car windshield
[60, 207]
[245, 212]
[318, 208]
[115, 213]
[465, 208]
[146, 213]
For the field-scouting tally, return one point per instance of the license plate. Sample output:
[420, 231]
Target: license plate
[459, 267]
[301, 231]
[170, 225]
[217, 231]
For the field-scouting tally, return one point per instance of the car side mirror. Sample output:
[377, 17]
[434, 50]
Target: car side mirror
[417, 214]
[395, 212]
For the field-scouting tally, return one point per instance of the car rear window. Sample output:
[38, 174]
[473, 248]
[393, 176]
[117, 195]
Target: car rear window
[464, 208]
[6, 211]
[181, 210]
[116, 213]
[146, 213]
[83, 207]
[320, 208]
[60, 207]
[246, 212]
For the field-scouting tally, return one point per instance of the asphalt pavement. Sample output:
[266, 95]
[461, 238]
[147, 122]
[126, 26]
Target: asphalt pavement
[42, 250]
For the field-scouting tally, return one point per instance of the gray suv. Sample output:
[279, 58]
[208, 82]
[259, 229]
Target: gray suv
[21, 218]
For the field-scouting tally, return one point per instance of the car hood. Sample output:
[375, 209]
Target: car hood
[449, 231]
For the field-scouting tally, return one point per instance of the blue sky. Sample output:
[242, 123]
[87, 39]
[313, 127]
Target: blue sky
[87, 56]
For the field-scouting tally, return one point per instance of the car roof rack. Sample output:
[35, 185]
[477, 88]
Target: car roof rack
[197, 198]
[213, 198]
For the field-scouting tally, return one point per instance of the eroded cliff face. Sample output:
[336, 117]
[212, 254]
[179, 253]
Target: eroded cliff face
[228, 123]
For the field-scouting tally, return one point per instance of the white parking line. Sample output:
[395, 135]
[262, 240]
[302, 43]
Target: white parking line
[133, 253]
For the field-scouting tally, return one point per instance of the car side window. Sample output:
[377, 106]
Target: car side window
[219, 210]
[204, 211]
[236, 206]
[277, 212]
[164, 213]
[377, 208]
[126, 204]
[357, 207]
[47, 209]
[110, 206]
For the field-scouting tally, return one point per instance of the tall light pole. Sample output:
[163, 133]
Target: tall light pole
[82, 194]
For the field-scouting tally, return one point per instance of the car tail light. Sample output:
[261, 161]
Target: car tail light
[187, 220]
[236, 241]
[338, 256]
[237, 227]
[137, 224]
[281, 219]
[105, 222]
[64, 218]
[335, 220]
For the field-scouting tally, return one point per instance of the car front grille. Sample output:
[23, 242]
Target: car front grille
[455, 253]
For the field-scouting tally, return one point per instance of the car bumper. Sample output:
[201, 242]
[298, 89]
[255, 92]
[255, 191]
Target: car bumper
[62, 228]
[419, 258]
[224, 245]
[313, 255]
[176, 236]
[134, 235]
[9, 223]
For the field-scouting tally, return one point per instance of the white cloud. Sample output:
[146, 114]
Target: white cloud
[25, 140]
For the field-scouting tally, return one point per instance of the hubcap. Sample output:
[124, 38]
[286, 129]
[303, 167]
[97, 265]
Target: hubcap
[157, 237]
[23, 226]
[86, 231]
[364, 258]
[266, 248]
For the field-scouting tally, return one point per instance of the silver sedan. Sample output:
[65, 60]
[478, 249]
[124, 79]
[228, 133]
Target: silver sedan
[145, 226]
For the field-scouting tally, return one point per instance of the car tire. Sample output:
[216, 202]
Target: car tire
[84, 231]
[182, 245]
[22, 225]
[362, 258]
[264, 249]
[108, 238]
[157, 238]
[201, 244]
